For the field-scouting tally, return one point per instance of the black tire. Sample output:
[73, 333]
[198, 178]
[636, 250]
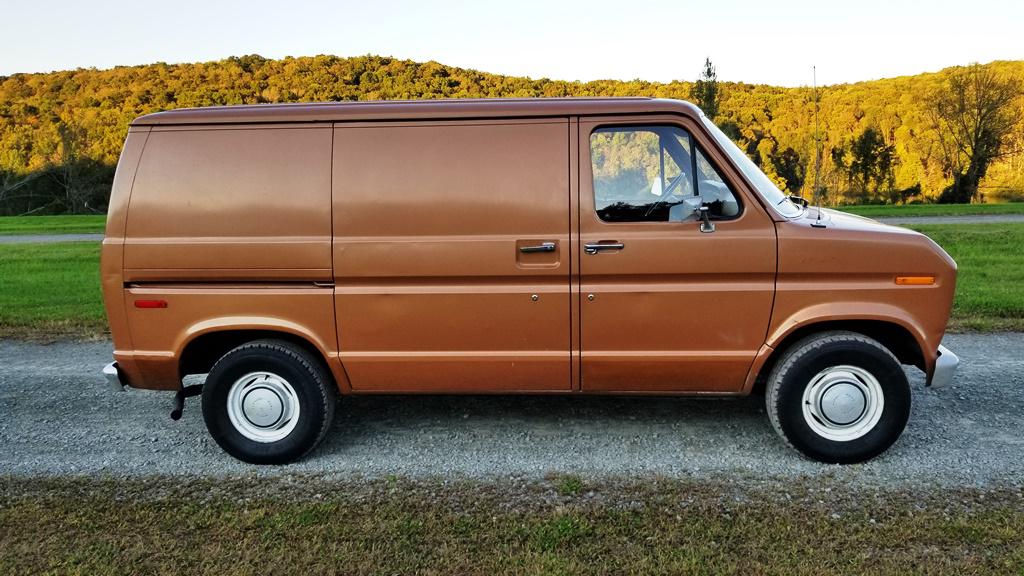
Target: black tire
[798, 367]
[315, 397]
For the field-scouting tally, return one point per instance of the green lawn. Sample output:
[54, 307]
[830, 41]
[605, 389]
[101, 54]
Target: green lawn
[393, 526]
[881, 211]
[51, 291]
[53, 224]
[990, 282]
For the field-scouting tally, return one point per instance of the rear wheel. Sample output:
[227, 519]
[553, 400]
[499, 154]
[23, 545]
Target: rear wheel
[838, 397]
[268, 402]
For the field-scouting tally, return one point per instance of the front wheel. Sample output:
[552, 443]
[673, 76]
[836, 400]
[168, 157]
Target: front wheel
[268, 402]
[838, 397]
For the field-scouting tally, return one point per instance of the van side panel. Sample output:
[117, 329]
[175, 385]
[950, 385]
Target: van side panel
[433, 291]
[228, 227]
[232, 203]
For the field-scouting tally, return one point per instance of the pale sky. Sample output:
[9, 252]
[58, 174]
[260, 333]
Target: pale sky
[768, 41]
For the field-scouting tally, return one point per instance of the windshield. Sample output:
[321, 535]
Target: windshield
[764, 186]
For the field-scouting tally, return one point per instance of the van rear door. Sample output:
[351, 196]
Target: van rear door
[451, 255]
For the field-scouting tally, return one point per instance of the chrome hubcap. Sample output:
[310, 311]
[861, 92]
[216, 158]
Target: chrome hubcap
[843, 403]
[263, 407]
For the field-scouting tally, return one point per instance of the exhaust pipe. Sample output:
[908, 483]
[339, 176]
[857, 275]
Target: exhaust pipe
[179, 399]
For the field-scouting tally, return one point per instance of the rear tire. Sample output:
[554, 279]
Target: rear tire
[838, 397]
[268, 402]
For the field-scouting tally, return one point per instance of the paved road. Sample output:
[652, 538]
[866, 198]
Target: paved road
[969, 219]
[49, 238]
[57, 417]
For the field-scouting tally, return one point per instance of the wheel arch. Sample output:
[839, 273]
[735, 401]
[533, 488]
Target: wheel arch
[905, 343]
[205, 344]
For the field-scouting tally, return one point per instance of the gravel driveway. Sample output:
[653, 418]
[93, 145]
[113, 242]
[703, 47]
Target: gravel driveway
[57, 417]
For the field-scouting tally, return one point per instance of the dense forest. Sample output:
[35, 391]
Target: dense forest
[882, 141]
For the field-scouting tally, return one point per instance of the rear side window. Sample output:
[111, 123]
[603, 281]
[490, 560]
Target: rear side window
[655, 174]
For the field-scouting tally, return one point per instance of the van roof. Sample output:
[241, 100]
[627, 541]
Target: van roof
[415, 110]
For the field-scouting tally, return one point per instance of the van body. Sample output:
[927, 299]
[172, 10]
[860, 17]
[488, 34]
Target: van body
[567, 246]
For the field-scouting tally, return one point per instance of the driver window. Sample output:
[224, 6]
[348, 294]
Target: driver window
[650, 174]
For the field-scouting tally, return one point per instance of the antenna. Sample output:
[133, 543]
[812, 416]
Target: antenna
[817, 150]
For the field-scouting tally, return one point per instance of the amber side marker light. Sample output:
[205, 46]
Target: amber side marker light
[915, 280]
[151, 303]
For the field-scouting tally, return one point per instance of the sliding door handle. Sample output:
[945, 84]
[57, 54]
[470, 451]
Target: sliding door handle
[602, 246]
[543, 247]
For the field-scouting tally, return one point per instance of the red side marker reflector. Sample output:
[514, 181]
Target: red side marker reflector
[151, 303]
[915, 280]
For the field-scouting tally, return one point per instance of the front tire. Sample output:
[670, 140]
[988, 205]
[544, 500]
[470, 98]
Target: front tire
[838, 397]
[268, 402]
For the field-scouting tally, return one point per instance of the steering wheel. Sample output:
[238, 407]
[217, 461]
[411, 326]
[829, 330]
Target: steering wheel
[669, 191]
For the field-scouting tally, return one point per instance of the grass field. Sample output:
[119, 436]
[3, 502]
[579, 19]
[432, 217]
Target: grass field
[396, 526]
[990, 279]
[882, 211]
[52, 224]
[51, 291]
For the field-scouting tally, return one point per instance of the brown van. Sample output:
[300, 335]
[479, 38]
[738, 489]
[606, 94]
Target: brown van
[541, 246]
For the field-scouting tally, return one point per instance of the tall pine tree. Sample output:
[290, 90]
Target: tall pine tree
[705, 90]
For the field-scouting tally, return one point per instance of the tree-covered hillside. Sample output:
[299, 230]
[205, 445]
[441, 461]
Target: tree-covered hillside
[61, 132]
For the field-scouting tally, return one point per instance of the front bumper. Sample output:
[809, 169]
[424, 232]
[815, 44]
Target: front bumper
[114, 378]
[945, 368]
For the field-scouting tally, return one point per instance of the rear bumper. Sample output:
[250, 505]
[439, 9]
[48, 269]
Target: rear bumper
[115, 379]
[945, 368]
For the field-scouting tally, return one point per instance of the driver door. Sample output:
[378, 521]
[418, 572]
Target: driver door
[665, 306]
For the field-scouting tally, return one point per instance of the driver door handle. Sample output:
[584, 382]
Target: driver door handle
[602, 246]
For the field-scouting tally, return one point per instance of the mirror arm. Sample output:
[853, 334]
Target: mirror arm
[706, 225]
